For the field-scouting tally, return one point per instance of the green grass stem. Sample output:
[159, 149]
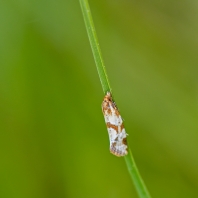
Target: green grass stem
[132, 168]
[95, 45]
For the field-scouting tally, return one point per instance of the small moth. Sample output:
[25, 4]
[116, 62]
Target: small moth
[115, 127]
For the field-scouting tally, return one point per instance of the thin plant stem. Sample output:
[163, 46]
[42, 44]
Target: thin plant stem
[135, 176]
[95, 45]
[131, 166]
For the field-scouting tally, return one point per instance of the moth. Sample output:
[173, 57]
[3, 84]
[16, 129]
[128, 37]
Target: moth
[115, 127]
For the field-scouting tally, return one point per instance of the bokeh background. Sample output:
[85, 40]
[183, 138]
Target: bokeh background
[53, 139]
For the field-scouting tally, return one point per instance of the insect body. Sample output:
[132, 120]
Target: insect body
[115, 127]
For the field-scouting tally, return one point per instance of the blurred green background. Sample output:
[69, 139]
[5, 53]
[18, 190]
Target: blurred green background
[53, 139]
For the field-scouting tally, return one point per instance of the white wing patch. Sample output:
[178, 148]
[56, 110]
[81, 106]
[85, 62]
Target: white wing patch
[115, 127]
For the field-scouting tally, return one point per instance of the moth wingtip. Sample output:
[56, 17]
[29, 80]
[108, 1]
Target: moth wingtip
[118, 153]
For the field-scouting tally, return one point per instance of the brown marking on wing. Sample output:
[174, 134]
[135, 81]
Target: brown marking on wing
[121, 127]
[105, 106]
[107, 102]
[109, 111]
[124, 141]
[107, 98]
[109, 125]
[117, 112]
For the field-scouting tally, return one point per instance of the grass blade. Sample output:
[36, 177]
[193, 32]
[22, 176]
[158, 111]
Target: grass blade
[131, 166]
